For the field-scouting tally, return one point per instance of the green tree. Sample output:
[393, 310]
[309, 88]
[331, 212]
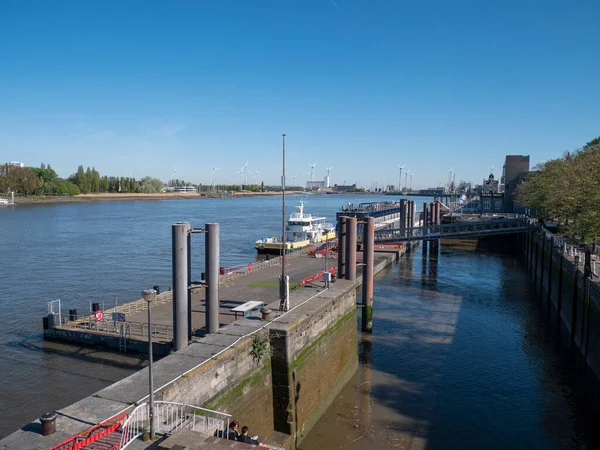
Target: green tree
[81, 181]
[149, 185]
[95, 180]
[46, 174]
[567, 191]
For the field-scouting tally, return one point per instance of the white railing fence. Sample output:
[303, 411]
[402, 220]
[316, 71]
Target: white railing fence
[170, 417]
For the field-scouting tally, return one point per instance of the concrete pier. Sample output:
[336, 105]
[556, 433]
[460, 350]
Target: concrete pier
[310, 353]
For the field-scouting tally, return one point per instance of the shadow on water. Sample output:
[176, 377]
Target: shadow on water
[462, 355]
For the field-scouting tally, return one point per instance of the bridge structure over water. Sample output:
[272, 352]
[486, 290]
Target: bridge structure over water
[467, 229]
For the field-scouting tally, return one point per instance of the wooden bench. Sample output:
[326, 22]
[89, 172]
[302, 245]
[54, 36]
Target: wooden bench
[246, 308]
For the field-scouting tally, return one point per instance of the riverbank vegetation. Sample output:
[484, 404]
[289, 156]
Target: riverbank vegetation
[44, 181]
[566, 191]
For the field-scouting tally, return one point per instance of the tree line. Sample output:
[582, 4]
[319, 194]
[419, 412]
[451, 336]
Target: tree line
[566, 191]
[44, 180]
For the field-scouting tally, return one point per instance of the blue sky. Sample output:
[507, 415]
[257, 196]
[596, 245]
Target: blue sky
[138, 87]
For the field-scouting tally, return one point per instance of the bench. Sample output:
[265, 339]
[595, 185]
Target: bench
[246, 308]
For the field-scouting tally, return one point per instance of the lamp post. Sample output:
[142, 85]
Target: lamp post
[149, 295]
[283, 284]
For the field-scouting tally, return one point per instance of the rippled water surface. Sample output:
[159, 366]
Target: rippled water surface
[100, 252]
[462, 356]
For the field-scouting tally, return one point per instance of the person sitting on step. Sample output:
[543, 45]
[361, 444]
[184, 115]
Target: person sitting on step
[233, 432]
[249, 440]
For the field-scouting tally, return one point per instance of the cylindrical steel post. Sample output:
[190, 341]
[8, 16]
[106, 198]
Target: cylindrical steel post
[189, 291]
[341, 235]
[542, 265]
[425, 217]
[150, 376]
[180, 284]
[368, 270]
[351, 248]
[212, 277]
[403, 212]
[48, 422]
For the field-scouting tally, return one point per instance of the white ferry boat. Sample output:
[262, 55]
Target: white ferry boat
[302, 231]
[4, 202]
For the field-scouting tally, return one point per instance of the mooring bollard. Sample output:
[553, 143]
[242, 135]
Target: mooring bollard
[266, 314]
[48, 421]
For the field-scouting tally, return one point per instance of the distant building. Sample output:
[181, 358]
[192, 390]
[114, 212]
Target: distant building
[434, 191]
[490, 186]
[344, 188]
[15, 164]
[190, 188]
[516, 169]
[497, 196]
[312, 185]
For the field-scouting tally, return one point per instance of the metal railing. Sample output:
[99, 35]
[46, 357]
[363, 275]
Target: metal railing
[107, 325]
[106, 435]
[170, 417]
[242, 271]
[575, 254]
[471, 228]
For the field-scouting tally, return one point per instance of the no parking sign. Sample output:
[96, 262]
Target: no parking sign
[99, 315]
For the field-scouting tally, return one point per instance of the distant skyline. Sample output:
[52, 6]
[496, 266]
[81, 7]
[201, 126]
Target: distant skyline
[142, 87]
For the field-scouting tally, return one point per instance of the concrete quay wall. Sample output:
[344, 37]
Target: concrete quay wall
[562, 287]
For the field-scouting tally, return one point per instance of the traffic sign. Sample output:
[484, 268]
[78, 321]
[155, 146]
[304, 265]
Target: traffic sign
[99, 315]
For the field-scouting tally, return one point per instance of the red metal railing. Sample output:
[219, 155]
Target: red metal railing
[105, 436]
[317, 276]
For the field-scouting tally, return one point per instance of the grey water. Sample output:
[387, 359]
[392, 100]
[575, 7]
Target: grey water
[463, 355]
[104, 252]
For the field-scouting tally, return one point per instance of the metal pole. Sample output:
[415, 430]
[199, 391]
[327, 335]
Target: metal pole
[403, 211]
[150, 378]
[212, 262]
[180, 285]
[283, 290]
[342, 246]
[351, 223]
[189, 291]
[368, 270]
[326, 249]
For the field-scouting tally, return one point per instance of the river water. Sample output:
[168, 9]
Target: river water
[460, 353]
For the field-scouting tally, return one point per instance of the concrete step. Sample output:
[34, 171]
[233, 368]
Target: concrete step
[192, 440]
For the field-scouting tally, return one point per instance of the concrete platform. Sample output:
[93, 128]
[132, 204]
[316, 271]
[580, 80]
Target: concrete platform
[261, 286]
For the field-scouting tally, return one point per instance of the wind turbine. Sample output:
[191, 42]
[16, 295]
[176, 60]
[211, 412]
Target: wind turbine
[214, 169]
[401, 168]
[295, 176]
[242, 170]
[175, 173]
[406, 178]
[327, 179]
[245, 172]
[312, 170]
[255, 174]
[411, 175]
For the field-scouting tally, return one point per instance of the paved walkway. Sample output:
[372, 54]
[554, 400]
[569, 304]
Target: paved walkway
[262, 286]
